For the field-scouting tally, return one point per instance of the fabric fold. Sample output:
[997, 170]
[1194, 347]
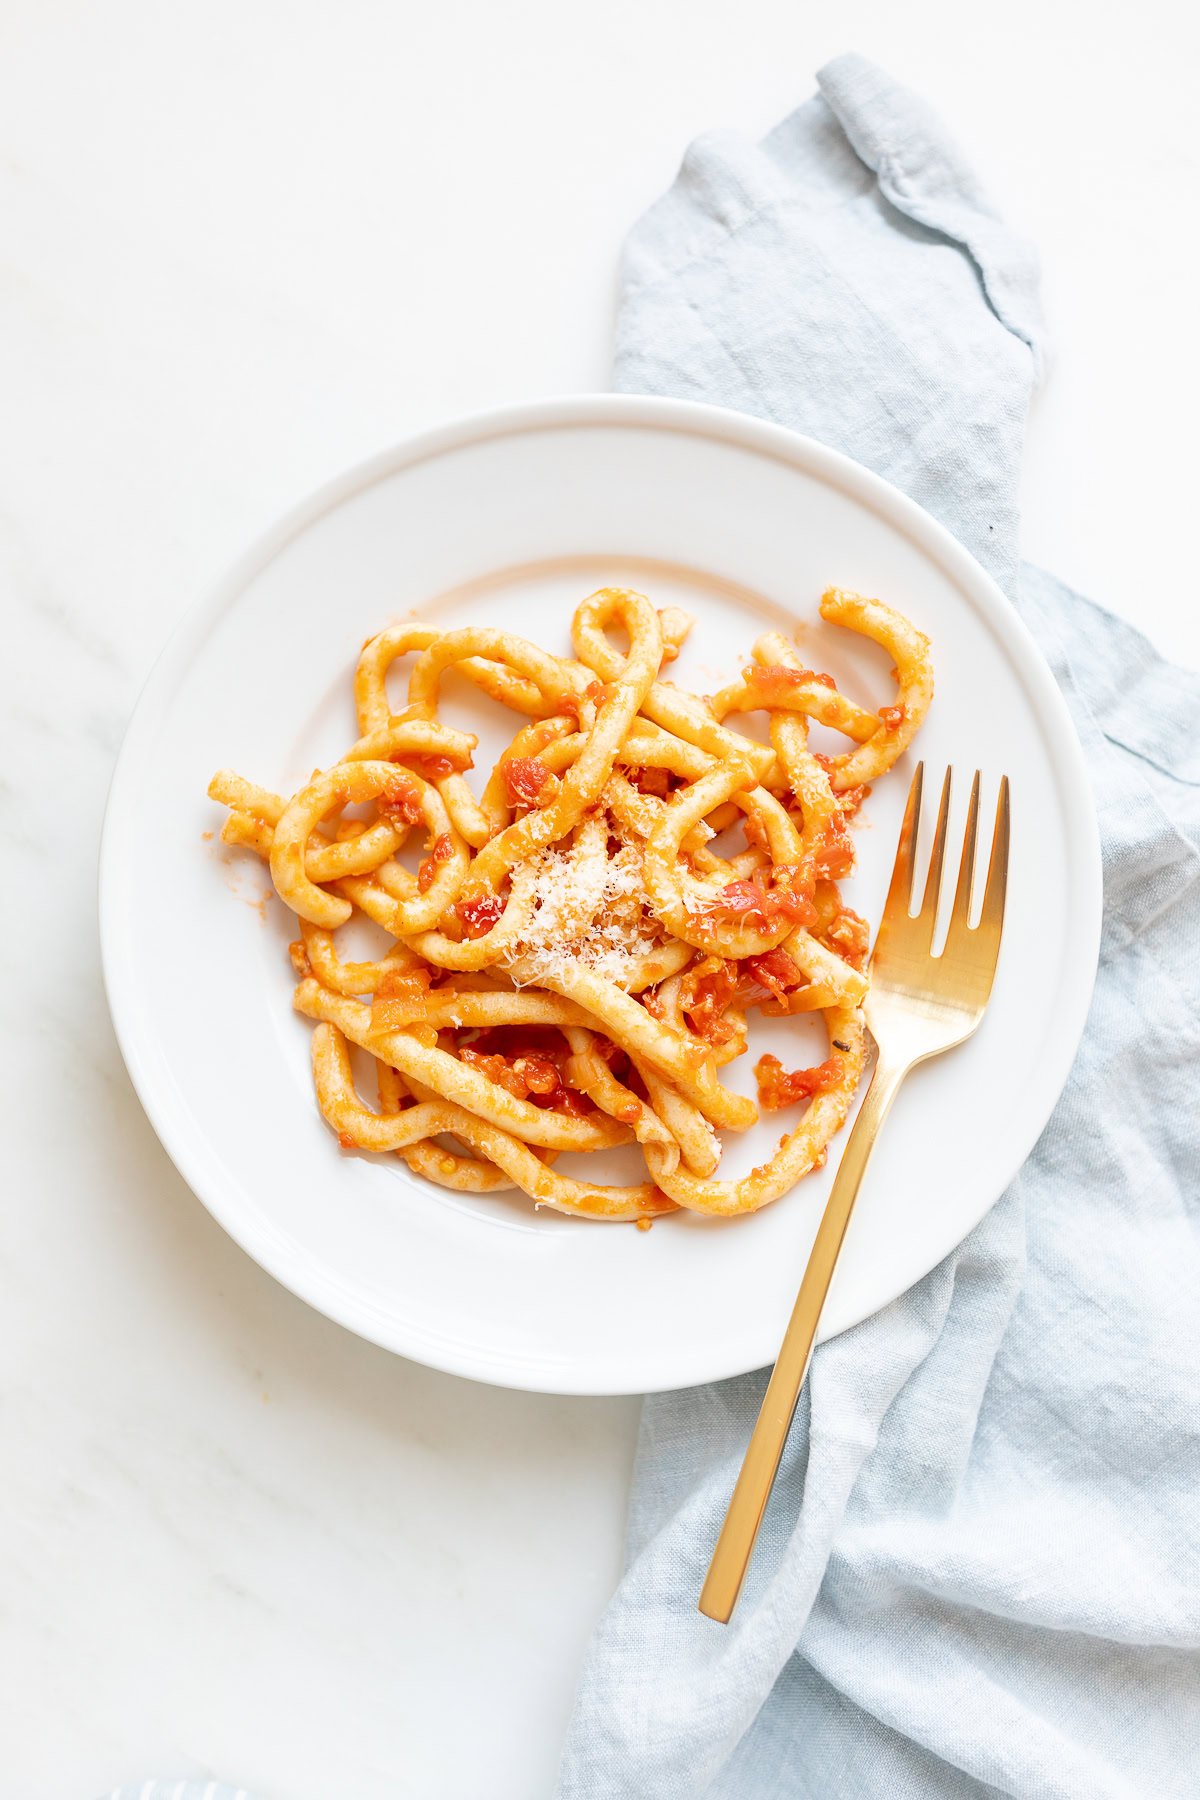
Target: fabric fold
[892, 316]
[927, 177]
[979, 1573]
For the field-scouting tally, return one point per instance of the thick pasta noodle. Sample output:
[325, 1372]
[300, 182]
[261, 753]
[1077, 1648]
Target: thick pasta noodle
[574, 963]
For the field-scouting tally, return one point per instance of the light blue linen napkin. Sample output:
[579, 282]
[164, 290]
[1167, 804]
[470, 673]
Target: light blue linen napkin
[980, 1572]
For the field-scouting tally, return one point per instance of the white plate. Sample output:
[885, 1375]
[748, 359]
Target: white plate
[509, 519]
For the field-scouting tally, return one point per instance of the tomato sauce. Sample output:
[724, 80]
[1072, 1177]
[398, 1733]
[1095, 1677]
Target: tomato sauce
[524, 779]
[477, 916]
[299, 956]
[705, 995]
[751, 903]
[756, 832]
[850, 936]
[436, 768]
[652, 781]
[834, 859]
[572, 704]
[775, 683]
[443, 850]
[779, 1087]
[400, 993]
[776, 972]
[850, 800]
[526, 1062]
[400, 801]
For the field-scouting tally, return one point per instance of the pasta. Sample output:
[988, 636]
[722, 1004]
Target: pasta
[575, 960]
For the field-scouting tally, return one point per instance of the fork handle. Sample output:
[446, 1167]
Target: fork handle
[736, 1543]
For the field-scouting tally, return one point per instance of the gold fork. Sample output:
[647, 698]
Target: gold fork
[919, 1004]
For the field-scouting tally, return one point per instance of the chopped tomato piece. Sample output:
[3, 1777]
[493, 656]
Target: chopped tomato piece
[779, 1087]
[480, 914]
[756, 832]
[794, 902]
[892, 717]
[652, 781]
[572, 704]
[850, 936]
[436, 768]
[496, 1068]
[776, 972]
[851, 799]
[538, 1073]
[775, 683]
[741, 900]
[524, 779]
[400, 801]
[835, 857]
[705, 995]
[443, 850]
[750, 903]
[524, 1072]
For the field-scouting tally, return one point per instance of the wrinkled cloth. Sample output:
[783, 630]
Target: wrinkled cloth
[979, 1573]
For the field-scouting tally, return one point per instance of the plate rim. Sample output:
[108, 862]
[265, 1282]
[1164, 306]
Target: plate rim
[581, 410]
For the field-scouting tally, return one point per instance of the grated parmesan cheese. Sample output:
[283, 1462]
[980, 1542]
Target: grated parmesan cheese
[589, 909]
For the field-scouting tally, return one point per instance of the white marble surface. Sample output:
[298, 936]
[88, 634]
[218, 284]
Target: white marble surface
[244, 244]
